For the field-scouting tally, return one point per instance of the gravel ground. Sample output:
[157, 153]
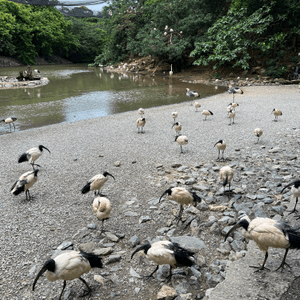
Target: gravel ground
[144, 165]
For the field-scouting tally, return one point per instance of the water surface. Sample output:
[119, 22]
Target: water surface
[78, 92]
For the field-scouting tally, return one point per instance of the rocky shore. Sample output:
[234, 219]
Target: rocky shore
[8, 82]
[145, 165]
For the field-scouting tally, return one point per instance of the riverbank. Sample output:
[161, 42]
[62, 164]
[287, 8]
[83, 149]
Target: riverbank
[144, 166]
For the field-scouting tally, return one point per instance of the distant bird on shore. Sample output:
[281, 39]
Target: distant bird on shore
[96, 183]
[233, 104]
[166, 253]
[267, 233]
[181, 140]
[296, 192]
[258, 132]
[197, 105]
[171, 72]
[206, 113]
[10, 121]
[221, 145]
[174, 115]
[231, 115]
[234, 90]
[276, 113]
[24, 183]
[177, 126]
[226, 175]
[141, 111]
[32, 155]
[190, 93]
[68, 266]
[140, 123]
[183, 197]
[102, 208]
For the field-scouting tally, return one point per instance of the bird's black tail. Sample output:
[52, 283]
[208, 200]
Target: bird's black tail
[294, 237]
[86, 188]
[19, 190]
[182, 256]
[94, 260]
[23, 158]
[196, 197]
[225, 181]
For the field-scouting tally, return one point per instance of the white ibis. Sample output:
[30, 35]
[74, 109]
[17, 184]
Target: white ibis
[183, 197]
[10, 121]
[296, 192]
[166, 253]
[140, 123]
[258, 132]
[141, 111]
[206, 113]
[181, 140]
[171, 72]
[234, 90]
[233, 104]
[197, 105]
[221, 145]
[276, 112]
[267, 233]
[102, 208]
[226, 174]
[190, 93]
[231, 115]
[24, 183]
[174, 115]
[32, 155]
[177, 126]
[69, 266]
[96, 183]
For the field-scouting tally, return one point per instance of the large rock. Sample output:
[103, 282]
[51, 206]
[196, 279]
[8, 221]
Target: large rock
[188, 242]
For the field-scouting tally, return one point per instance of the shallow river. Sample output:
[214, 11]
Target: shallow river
[78, 92]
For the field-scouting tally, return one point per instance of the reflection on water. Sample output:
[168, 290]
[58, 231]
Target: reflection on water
[77, 92]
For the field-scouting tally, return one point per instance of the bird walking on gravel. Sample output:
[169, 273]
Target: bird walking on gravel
[183, 197]
[296, 192]
[231, 115]
[177, 126]
[276, 113]
[206, 113]
[267, 233]
[69, 266]
[96, 183]
[10, 121]
[102, 208]
[174, 115]
[221, 145]
[190, 93]
[24, 183]
[166, 253]
[32, 155]
[197, 105]
[181, 140]
[234, 90]
[258, 132]
[140, 123]
[226, 175]
[233, 104]
[141, 111]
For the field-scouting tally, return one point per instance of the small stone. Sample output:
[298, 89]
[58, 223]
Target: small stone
[65, 245]
[117, 164]
[133, 273]
[112, 237]
[99, 279]
[134, 241]
[103, 251]
[91, 226]
[113, 258]
[166, 293]
[144, 219]
[87, 247]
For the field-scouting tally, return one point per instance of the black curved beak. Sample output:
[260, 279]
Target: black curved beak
[42, 271]
[231, 230]
[46, 149]
[111, 175]
[292, 183]
[165, 192]
[143, 247]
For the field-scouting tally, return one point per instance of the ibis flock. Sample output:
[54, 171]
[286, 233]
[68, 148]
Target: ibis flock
[72, 265]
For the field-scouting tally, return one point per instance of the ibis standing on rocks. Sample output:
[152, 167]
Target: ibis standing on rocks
[267, 233]
[206, 113]
[166, 253]
[231, 115]
[10, 121]
[190, 93]
[96, 183]
[102, 208]
[32, 155]
[174, 115]
[276, 113]
[226, 174]
[140, 123]
[181, 140]
[68, 266]
[296, 192]
[177, 126]
[24, 183]
[221, 145]
[183, 197]
[258, 132]
[197, 105]
[234, 90]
